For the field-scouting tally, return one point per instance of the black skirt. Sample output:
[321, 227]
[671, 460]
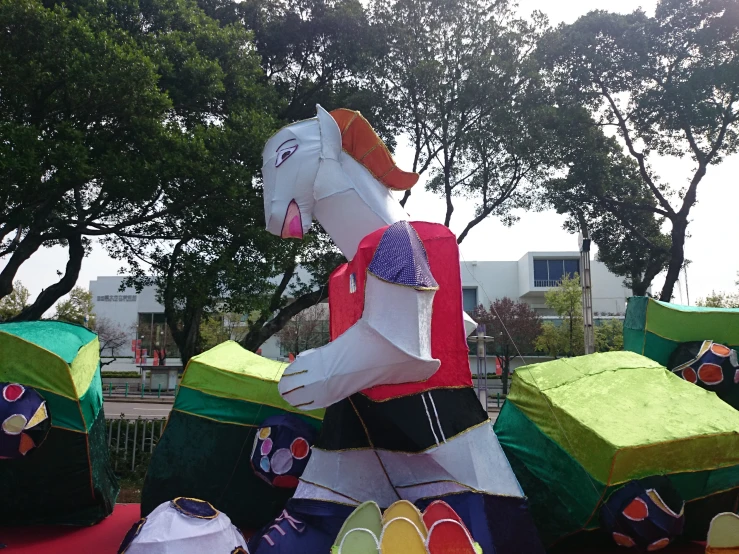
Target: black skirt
[411, 423]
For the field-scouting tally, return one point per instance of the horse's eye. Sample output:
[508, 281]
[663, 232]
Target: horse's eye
[284, 153]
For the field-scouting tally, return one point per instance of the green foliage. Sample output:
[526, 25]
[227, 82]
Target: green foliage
[630, 241]
[568, 337]
[121, 120]
[514, 325]
[609, 335]
[469, 94]
[14, 303]
[120, 374]
[667, 84]
[78, 308]
[719, 300]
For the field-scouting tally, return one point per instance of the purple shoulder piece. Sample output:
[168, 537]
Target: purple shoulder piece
[400, 258]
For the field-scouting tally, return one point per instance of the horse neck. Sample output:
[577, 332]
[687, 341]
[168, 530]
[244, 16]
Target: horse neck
[357, 205]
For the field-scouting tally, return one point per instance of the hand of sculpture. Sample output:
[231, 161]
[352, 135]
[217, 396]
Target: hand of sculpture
[390, 344]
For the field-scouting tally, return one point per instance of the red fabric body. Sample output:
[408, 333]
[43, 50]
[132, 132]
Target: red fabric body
[448, 340]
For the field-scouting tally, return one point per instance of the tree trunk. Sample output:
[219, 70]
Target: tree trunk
[259, 334]
[677, 257]
[50, 295]
[25, 249]
[188, 343]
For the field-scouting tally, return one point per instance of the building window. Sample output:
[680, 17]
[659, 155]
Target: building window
[549, 273]
[469, 299]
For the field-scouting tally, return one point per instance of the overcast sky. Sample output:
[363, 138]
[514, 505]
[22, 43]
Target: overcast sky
[714, 228]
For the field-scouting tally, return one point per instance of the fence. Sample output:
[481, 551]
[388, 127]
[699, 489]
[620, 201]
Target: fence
[131, 443]
[128, 390]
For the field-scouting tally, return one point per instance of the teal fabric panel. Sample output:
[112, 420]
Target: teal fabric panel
[63, 339]
[64, 412]
[228, 410]
[562, 495]
[92, 401]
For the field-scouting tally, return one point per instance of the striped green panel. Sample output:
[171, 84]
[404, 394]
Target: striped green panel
[228, 410]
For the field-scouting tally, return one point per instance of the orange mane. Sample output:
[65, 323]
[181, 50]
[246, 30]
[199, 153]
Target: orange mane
[359, 140]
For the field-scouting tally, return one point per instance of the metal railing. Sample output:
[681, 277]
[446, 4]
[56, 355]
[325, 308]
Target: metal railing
[133, 440]
[130, 390]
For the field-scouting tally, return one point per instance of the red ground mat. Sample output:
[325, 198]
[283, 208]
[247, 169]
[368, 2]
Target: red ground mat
[103, 538]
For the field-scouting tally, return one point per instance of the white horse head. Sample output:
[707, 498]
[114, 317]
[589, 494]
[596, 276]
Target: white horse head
[333, 168]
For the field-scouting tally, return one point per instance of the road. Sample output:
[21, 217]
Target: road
[133, 410]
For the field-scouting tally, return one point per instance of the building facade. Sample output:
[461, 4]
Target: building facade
[526, 280]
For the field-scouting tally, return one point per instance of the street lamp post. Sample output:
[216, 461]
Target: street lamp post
[587, 293]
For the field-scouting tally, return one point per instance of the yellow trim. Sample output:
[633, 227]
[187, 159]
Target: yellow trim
[68, 429]
[181, 510]
[345, 129]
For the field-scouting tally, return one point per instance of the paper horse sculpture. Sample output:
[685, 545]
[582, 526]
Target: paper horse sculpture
[402, 420]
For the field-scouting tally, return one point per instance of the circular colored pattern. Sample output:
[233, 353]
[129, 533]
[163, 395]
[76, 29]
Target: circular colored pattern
[282, 461]
[658, 545]
[623, 540]
[264, 432]
[711, 374]
[720, 350]
[300, 448]
[690, 375]
[13, 392]
[192, 507]
[637, 510]
[264, 463]
[286, 482]
[15, 424]
[266, 447]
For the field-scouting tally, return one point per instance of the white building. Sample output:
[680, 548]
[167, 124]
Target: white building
[533, 275]
[482, 282]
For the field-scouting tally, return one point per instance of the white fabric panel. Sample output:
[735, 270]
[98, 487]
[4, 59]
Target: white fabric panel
[309, 490]
[331, 212]
[365, 356]
[430, 490]
[330, 134]
[470, 325]
[473, 459]
[167, 531]
[356, 474]
[401, 314]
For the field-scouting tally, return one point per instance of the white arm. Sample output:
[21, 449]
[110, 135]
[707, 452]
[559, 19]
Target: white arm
[390, 344]
[469, 325]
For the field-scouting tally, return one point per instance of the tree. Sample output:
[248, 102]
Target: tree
[464, 79]
[113, 118]
[308, 329]
[78, 308]
[220, 327]
[667, 84]
[568, 337]
[15, 302]
[609, 336]
[515, 327]
[630, 242]
[720, 300]
[112, 338]
[310, 52]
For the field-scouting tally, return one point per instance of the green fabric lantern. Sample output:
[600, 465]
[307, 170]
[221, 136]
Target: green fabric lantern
[204, 453]
[656, 329]
[68, 478]
[577, 429]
